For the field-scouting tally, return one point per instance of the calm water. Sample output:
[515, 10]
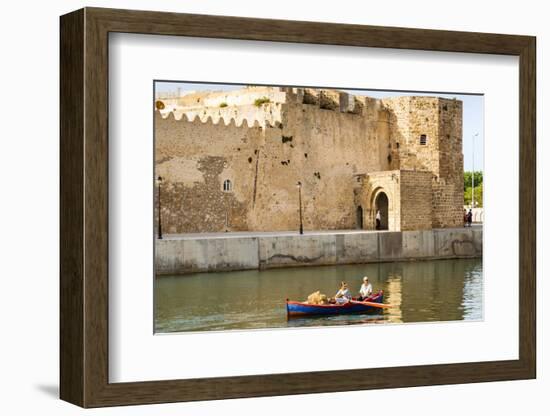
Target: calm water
[439, 290]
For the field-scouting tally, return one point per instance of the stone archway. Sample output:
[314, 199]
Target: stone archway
[381, 204]
[382, 192]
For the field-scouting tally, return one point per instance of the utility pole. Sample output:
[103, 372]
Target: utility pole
[299, 185]
[473, 162]
[159, 181]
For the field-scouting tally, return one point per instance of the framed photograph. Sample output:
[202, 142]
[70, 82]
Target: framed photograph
[255, 207]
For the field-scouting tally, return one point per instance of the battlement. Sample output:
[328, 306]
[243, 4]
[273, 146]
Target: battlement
[211, 118]
[263, 105]
[242, 96]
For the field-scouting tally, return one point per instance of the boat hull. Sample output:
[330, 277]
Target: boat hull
[300, 309]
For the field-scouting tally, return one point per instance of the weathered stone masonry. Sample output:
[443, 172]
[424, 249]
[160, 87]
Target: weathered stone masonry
[230, 164]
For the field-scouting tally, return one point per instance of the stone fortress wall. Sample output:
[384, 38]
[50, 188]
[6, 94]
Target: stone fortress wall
[351, 154]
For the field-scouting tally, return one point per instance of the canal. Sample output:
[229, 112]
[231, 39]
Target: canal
[424, 291]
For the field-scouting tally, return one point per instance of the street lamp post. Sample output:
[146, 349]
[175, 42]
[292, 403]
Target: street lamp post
[159, 228]
[473, 162]
[299, 185]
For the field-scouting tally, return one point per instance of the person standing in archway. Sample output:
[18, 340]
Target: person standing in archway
[378, 219]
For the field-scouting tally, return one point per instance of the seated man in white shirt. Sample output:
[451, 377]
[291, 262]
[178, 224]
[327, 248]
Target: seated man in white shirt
[344, 294]
[366, 289]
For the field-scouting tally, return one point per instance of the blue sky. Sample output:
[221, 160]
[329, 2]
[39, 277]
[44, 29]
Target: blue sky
[472, 119]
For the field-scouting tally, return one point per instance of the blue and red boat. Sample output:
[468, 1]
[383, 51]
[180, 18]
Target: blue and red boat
[301, 309]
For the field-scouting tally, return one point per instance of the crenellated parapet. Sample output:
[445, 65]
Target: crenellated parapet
[263, 105]
[206, 118]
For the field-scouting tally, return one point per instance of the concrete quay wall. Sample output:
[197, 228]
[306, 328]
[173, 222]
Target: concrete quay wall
[224, 253]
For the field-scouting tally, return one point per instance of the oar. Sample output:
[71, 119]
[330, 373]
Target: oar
[373, 304]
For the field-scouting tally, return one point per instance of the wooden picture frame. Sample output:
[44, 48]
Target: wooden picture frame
[84, 207]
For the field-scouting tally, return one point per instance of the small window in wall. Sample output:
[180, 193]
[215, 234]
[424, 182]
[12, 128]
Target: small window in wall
[227, 186]
[423, 139]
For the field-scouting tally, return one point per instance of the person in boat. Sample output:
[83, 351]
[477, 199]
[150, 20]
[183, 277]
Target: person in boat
[343, 295]
[366, 289]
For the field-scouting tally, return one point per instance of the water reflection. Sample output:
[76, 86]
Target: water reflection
[441, 290]
[393, 297]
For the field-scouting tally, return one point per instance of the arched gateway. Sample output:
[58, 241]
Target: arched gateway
[381, 205]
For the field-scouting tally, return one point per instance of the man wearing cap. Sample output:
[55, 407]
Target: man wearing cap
[366, 289]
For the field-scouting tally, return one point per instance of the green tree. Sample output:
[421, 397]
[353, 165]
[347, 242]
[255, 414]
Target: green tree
[478, 179]
[478, 188]
[478, 196]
